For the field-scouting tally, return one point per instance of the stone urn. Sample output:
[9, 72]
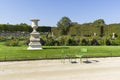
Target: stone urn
[34, 37]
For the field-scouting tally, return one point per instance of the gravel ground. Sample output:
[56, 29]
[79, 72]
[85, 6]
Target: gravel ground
[94, 69]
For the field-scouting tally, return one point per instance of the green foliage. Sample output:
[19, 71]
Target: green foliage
[13, 28]
[94, 42]
[99, 22]
[66, 33]
[13, 42]
[61, 40]
[64, 25]
[2, 38]
[108, 42]
[49, 42]
[84, 42]
[26, 42]
[115, 42]
[44, 29]
[75, 29]
[76, 40]
[72, 41]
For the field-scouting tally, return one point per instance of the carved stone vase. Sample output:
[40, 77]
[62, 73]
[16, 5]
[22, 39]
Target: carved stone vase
[34, 37]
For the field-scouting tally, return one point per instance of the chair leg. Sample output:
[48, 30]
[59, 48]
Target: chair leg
[86, 58]
[70, 59]
[80, 59]
[62, 60]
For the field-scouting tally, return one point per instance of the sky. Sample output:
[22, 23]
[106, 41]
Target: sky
[51, 11]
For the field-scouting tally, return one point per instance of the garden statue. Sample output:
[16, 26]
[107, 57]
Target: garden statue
[113, 35]
[34, 37]
[95, 34]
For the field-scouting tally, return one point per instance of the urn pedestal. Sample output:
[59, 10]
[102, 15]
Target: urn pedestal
[34, 37]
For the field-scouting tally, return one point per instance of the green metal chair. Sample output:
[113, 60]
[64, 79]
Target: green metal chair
[64, 56]
[81, 54]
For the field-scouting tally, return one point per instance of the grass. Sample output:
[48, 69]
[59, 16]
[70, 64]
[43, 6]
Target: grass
[52, 52]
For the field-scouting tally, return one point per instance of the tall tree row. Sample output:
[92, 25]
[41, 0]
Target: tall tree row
[65, 26]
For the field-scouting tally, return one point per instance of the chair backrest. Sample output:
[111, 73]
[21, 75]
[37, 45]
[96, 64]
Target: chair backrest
[62, 51]
[84, 50]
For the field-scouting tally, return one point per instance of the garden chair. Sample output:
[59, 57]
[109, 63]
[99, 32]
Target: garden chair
[64, 56]
[81, 54]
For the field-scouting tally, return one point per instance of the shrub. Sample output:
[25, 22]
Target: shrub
[42, 41]
[102, 41]
[14, 42]
[84, 42]
[70, 42]
[61, 41]
[115, 42]
[49, 42]
[94, 42]
[26, 42]
[108, 42]
[3, 38]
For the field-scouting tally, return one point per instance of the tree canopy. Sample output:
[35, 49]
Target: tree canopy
[64, 25]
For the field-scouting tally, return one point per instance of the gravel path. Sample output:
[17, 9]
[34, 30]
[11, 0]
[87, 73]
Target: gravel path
[97, 69]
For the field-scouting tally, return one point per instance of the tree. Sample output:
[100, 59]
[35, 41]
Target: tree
[64, 25]
[100, 23]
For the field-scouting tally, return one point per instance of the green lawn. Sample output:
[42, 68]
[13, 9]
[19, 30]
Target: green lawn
[52, 52]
